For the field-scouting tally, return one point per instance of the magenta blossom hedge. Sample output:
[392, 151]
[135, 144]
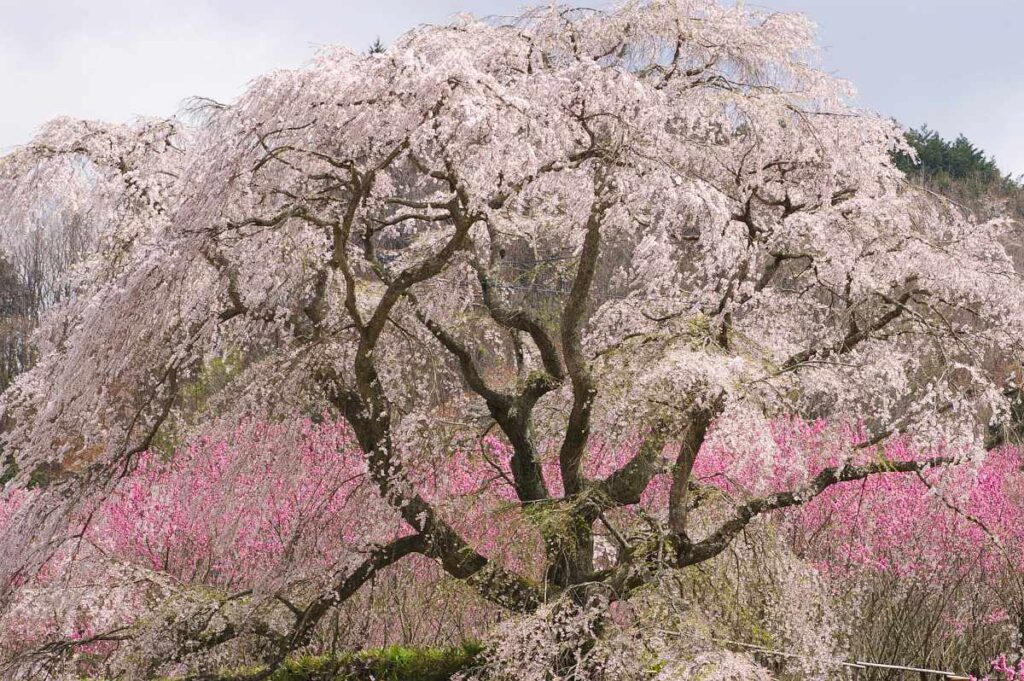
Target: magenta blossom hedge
[271, 505]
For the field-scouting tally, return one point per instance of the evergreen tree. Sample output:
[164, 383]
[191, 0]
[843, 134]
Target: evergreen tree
[957, 168]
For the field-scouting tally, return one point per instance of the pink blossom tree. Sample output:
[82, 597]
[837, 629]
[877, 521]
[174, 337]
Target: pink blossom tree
[652, 221]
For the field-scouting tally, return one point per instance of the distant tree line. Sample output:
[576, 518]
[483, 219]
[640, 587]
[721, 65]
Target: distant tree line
[961, 171]
[15, 323]
[35, 273]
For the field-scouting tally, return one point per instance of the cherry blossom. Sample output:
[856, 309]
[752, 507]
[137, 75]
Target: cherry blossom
[579, 232]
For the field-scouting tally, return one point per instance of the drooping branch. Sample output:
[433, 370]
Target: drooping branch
[380, 558]
[636, 569]
[512, 412]
[855, 336]
[496, 401]
[405, 280]
[197, 636]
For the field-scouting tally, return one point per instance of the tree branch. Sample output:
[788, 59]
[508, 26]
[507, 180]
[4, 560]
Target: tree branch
[584, 391]
[692, 553]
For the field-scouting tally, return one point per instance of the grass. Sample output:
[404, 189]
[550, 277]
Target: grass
[394, 663]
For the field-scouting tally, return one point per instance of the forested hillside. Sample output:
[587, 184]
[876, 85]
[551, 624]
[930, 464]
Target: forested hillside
[960, 170]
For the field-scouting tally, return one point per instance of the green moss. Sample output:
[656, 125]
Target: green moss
[398, 663]
[699, 330]
[394, 663]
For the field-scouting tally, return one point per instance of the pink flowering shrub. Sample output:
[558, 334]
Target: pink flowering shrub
[1006, 670]
[260, 501]
[947, 545]
[273, 505]
[285, 502]
[1003, 670]
[902, 523]
[927, 569]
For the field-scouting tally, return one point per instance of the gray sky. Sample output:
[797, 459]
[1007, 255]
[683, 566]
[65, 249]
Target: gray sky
[954, 64]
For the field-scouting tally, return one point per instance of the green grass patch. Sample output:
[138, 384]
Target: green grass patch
[394, 663]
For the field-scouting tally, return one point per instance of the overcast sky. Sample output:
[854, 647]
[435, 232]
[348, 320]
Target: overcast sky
[954, 64]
